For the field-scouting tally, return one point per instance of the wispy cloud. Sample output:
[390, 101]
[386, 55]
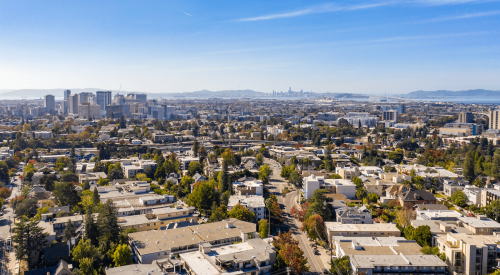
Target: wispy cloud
[395, 39]
[458, 17]
[186, 13]
[449, 2]
[313, 10]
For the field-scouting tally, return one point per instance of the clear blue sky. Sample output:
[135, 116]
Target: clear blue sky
[182, 46]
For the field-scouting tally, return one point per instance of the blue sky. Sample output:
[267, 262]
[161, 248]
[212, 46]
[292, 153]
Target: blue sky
[182, 46]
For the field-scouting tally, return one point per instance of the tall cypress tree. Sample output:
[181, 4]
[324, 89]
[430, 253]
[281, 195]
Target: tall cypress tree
[91, 232]
[96, 199]
[107, 223]
[468, 169]
[223, 178]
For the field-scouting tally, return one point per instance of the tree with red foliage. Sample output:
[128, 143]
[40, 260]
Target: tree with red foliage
[299, 212]
[32, 161]
[290, 253]
[298, 146]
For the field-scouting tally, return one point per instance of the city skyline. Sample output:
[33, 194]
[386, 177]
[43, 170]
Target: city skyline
[338, 47]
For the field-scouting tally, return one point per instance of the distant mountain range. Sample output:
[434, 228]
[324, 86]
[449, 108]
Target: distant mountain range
[209, 94]
[39, 93]
[58, 93]
[445, 93]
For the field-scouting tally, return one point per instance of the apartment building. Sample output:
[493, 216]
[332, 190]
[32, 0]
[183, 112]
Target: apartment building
[155, 245]
[470, 254]
[254, 203]
[354, 215]
[248, 187]
[255, 256]
[341, 186]
[159, 218]
[334, 229]
[386, 255]
[480, 225]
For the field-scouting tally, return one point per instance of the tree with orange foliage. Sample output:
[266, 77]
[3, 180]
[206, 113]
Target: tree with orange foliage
[289, 253]
[299, 212]
[5, 192]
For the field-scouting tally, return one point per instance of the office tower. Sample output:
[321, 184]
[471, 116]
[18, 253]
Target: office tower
[143, 98]
[401, 109]
[384, 108]
[49, 103]
[493, 115]
[73, 104]
[465, 117]
[103, 99]
[89, 111]
[67, 93]
[86, 98]
[169, 112]
[390, 116]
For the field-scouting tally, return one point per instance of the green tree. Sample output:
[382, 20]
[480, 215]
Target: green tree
[96, 199]
[423, 235]
[459, 198]
[263, 228]
[69, 176]
[86, 250]
[264, 173]
[468, 169]
[242, 213]
[495, 167]
[26, 208]
[196, 147]
[218, 213]
[361, 193]
[373, 197]
[409, 232]
[107, 223]
[66, 194]
[195, 167]
[91, 231]
[69, 231]
[223, 179]
[28, 238]
[341, 266]
[122, 255]
[203, 195]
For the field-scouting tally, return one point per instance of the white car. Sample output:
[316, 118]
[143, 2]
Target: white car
[9, 243]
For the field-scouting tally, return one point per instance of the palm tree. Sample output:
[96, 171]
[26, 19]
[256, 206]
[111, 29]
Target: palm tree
[361, 193]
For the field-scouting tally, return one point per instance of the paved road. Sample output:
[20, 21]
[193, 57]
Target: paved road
[6, 221]
[277, 185]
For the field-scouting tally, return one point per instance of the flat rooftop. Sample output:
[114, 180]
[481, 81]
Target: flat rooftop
[338, 226]
[477, 223]
[370, 261]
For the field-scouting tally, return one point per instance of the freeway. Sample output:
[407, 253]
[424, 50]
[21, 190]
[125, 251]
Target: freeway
[287, 202]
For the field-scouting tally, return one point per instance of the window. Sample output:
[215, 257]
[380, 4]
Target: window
[162, 222]
[148, 224]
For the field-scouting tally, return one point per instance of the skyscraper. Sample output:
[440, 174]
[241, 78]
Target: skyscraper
[49, 103]
[401, 109]
[103, 99]
[67, 93]
[493, 115]
[390, 116]
[73, 104]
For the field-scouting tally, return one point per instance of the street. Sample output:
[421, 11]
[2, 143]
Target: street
[6, 221]
[277, 185]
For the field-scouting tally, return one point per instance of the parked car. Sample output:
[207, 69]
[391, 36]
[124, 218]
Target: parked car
[325, 271]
